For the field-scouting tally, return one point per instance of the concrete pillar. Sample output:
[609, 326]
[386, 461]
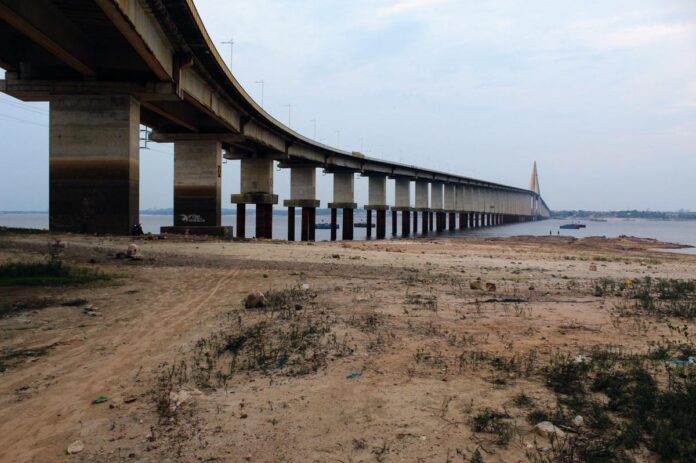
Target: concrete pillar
[436, 204]
[334, 223]
[197, 181]
[343, 198]
[256, 181]
[197, 175]
[393, 224]
[94, 170]
[303, 185]
[377, 195]
[402, 203]
[291, 224]
[422, 205]
[450, 204]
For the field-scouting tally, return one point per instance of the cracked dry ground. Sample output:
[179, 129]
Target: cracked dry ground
[374, 351]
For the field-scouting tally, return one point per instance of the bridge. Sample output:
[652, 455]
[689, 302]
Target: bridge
[108, 66]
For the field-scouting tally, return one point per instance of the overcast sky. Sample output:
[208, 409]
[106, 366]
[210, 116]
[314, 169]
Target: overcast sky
[602, 94]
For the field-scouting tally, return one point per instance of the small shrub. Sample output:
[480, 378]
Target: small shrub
[496, 423]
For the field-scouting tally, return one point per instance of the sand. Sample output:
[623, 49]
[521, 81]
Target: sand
[406, 321]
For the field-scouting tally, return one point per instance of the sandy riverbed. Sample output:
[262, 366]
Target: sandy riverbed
[398, 317]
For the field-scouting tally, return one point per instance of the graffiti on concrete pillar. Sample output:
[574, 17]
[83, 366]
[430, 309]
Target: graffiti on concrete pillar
[191, 218]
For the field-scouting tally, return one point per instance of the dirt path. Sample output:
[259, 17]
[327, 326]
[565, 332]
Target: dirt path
[107, 357]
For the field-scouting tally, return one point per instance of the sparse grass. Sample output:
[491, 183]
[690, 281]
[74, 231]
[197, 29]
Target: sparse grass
[21, 231]
[50, 273]
[629, 401]
[10, 358]
[169, 378]
[522, 400]
[421, 301]
[496, 423]
[293, 338]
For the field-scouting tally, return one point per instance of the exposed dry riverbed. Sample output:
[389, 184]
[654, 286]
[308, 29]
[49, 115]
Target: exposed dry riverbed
[364, 351]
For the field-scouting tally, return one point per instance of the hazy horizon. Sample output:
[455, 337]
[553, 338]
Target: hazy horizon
[602, 96]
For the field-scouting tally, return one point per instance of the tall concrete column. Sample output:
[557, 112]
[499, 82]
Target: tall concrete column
[343, 198]
[256, 180]
[94, 171]
[402, 203]
[422, 204]
[197, 181]
[436, 204]
[461, 204]
[377, 194]
[303, 185]
[450, 204]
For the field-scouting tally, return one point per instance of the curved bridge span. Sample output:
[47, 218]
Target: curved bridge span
[107, 66]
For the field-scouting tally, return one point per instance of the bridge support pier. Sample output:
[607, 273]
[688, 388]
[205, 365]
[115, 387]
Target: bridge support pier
[94, 160]
[452, 221]
[377, 197]
[402, 201]
[303, 180]
[344, 191]
[462, 220]
[197, 180]
[394, 222]
[405, 223]
[257, 188]
[415, 222]
[381, 224]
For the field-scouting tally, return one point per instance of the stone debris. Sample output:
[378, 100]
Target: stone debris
[491, 287]
[548, 429]
[475, 285]
[255, 301]
[578, 421]
[90, 310]
[133, 252]
[76, 447]
[593, 268]
[177, 399]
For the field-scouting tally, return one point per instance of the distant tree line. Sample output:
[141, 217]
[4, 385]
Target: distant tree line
[628, 214]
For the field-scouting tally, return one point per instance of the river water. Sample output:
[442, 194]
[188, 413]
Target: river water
[668, 231]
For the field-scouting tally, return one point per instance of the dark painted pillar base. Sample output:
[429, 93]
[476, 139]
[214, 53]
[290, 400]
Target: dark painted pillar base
[440, 217]
[425, 226]
[241, 220]
[381, 224]
[405, 223]
[431, 221]
[369, 224]
[264, 221]
[415, 222]
[347, 224]
[394, 220]
[452, 221]
[334, 223]
[291, 224]
[308, 223]
[313, 223]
